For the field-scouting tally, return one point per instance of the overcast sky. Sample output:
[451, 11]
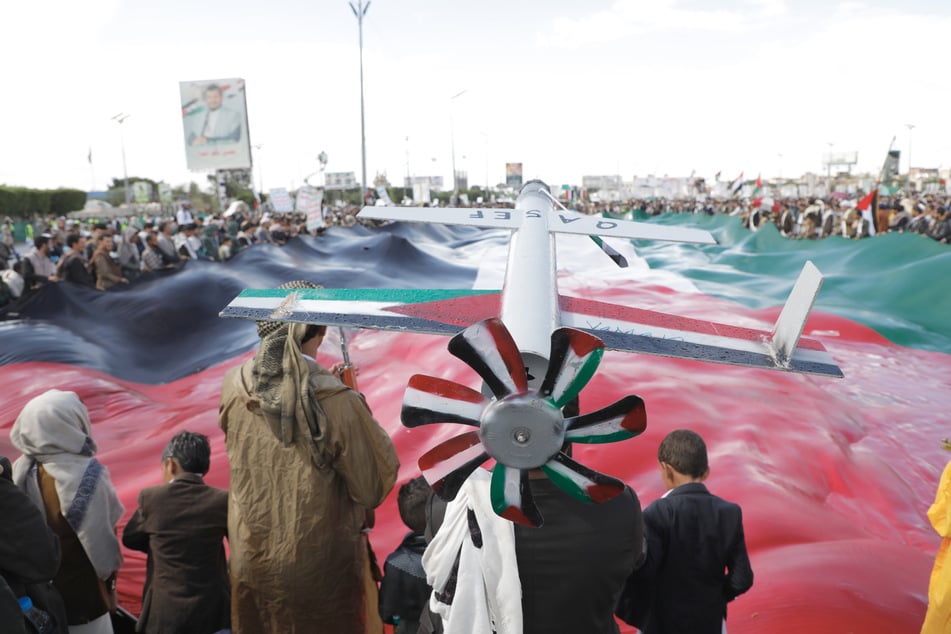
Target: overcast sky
[635, 87]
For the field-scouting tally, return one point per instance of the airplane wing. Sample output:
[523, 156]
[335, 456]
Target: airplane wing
[651, 332]
[436, 312]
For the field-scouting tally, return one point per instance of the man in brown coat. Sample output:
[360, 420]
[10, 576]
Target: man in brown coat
[308, 461]
[181, 525]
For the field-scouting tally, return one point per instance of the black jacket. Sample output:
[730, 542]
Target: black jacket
[692, 537]
[404, 590]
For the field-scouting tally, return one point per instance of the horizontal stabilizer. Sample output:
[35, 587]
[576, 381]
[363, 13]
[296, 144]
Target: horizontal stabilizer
[558, 221]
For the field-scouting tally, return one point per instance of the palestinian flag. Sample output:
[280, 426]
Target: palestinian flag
[758, 191]
[869, 206]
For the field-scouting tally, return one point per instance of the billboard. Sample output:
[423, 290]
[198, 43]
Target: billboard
[215, 122]
[340, 180]
[142, 191]
[513, 174]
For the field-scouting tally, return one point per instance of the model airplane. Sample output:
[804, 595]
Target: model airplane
[536, 349]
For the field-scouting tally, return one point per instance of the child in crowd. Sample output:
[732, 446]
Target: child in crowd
[404, 590]
[692, 538]
[181, 525]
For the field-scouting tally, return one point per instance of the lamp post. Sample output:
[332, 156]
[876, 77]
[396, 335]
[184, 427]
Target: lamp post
[452, 141]
[119, 118]
[910, 126]
[257, 157]
[360, 10]
[485, 194]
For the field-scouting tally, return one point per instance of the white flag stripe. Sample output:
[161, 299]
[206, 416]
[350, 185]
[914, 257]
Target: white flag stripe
[443, 468]
[427, 400]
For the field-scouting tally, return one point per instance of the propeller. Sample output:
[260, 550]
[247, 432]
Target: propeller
[520, 428]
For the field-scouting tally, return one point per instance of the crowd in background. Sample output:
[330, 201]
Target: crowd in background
[102, 255]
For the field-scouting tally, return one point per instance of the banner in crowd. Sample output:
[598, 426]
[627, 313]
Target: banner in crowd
[215, 123]
[281, 200]
[890, 168]
[513, 174]
[309, 202]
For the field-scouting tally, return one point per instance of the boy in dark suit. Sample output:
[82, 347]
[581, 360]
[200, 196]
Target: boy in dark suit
[692, 538]
[404, 590]
[181, 525]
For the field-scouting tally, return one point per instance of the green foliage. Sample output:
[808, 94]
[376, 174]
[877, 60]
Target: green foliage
[63, 201]
[23, 203]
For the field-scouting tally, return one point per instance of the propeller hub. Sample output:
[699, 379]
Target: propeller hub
[523, 431]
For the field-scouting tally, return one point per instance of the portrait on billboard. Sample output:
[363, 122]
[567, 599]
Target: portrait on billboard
[215, 123]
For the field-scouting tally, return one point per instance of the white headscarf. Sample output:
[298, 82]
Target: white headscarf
[53, 429]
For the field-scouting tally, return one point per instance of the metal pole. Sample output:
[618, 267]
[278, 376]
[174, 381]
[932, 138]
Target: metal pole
[260, 168]
[359, 11]
[452, 141]
[119, 118]
[910, 126]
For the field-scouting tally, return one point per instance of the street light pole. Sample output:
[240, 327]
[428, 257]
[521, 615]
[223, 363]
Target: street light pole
[119, 118]
[452, 141]
[359, 11]
[257, 157]
[910, 126]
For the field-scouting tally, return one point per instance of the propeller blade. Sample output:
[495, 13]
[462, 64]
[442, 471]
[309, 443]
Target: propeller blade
[575, 356]
[512, 497]
[490, 350]
[429, 399]
[619, 421]
[447, 465]
[580, 482]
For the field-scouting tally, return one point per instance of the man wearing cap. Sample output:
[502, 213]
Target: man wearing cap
[308, 463]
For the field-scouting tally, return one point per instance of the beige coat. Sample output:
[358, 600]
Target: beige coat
[297, 560]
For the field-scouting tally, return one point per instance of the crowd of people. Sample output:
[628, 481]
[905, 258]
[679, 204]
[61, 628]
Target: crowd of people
[813, 218]
[102, 255]
[308, 466]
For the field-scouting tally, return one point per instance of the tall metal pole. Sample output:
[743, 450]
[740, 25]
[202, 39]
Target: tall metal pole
[359, 11]
[119, 118]
[257, 157]
[910, 126]
[452, 141]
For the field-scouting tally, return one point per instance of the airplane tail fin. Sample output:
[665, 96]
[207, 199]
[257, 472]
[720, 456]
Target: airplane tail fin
[792, 319]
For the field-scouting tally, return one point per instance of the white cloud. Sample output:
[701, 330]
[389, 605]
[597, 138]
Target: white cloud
[630, 18]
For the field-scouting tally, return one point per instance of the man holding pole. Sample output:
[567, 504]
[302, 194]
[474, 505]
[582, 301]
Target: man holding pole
[308, 464]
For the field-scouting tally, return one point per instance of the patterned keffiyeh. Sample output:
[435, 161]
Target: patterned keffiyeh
[281, 378]
[53, 430]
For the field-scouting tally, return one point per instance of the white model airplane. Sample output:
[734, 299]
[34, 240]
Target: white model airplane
[536, 349]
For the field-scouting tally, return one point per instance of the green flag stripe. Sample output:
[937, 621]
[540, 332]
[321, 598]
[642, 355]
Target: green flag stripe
[385, 295]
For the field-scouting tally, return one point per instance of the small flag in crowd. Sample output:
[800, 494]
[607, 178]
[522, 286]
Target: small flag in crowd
[867, 206]
[758, 191]
[737, 185]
